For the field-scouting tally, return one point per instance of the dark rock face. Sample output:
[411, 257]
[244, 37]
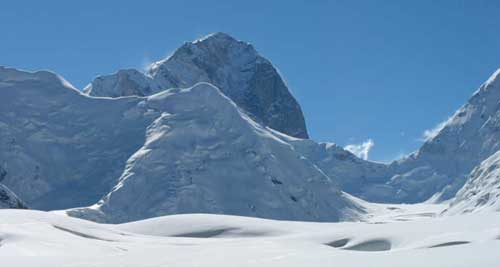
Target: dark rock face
[236, 68]
[3, 173]
[9, 200]
[233, 66]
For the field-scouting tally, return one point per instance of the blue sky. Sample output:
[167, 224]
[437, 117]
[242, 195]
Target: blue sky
[380, 70]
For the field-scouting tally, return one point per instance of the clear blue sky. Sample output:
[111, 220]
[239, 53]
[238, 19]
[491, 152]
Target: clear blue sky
[385, 70]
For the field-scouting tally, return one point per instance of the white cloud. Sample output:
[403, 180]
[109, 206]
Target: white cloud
[146, 63]
[361, 150]
[431, 133]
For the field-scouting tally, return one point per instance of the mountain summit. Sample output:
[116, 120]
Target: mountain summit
[233, 66]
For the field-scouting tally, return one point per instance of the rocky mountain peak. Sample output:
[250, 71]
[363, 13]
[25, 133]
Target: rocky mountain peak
[233, 66]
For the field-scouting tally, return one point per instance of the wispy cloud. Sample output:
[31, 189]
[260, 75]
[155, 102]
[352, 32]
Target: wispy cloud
[361, 150]
[431, 133]
[146, 63]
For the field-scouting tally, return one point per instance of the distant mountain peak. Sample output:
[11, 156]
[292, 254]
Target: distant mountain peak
[216, 37]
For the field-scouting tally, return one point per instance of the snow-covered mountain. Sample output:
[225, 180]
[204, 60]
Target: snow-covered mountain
[233, 66]
[438, 168]
[481, 193]
[203, 154]
[210, 147]
[178, 151]
[443, 163]
[59, 148]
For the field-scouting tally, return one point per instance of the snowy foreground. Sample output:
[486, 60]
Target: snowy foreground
[397, 235]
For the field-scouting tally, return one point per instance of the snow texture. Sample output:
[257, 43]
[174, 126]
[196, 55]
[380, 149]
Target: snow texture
[398, 236]
[481, 193]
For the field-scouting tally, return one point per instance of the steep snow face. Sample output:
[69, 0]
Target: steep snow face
[128, 82]
[9, 200]
[235, 67]
[204, 155]
[471, 135]
[481, 193]
[59, 148]
[442, 164]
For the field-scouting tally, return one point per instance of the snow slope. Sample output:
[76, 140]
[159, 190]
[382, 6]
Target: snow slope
[481, 193]
[33, 238]
[233, 66]
[59, 148]
[203, 154]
